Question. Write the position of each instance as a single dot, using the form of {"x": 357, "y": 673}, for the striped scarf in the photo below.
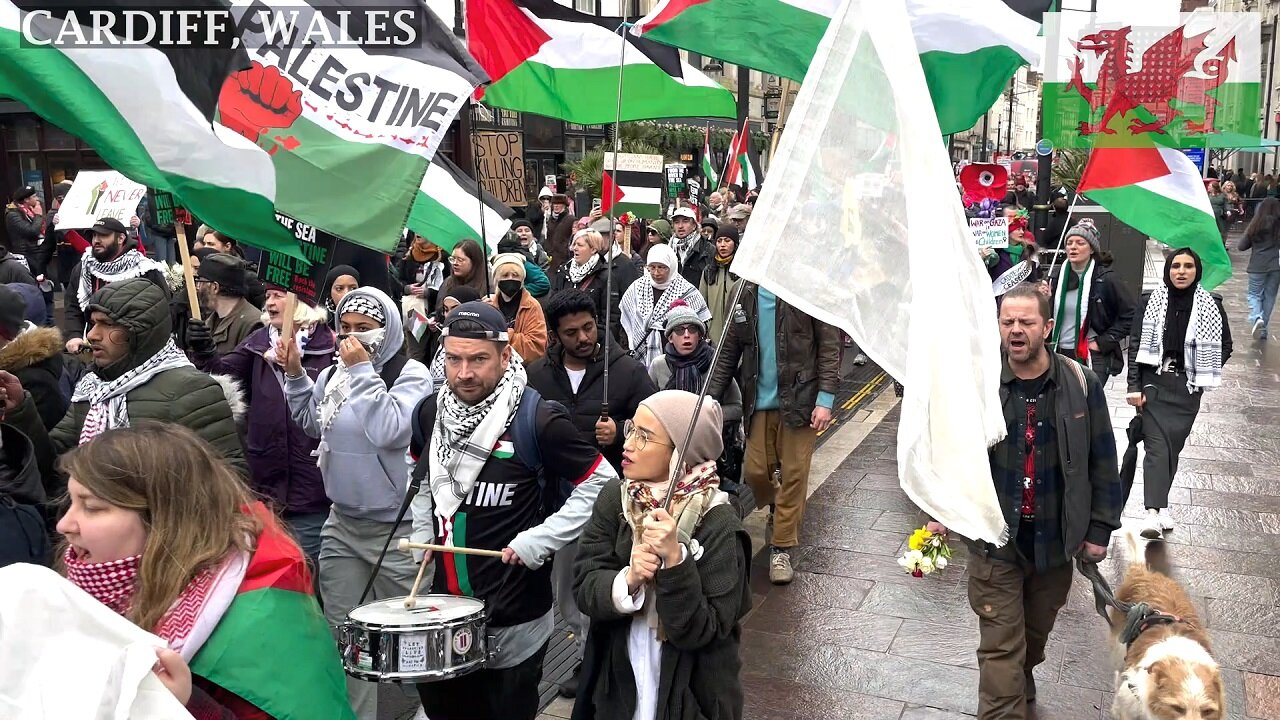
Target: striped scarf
{"x": 1202, "y": 350}
{"x": 1082, "y": 308}
{"x": 131, "y": 264}
{"x": 108, "y": 401}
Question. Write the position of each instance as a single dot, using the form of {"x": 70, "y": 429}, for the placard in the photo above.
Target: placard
{"x": 695, "y": 193}
{"x": 97, "y": 194}
{"x": 634, "y": 162}
{"x": 165, "y": 210}
{"x": 990, "y": 232}
{"x": 500, "y": 157}
{"x": 291, "y": 273}
{"x": 675, "y": 180}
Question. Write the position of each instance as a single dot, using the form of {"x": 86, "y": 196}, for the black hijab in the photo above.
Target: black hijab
{"x": 1181, "y": 303}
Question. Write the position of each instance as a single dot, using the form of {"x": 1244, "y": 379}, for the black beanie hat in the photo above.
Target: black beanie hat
{"x": 13, "y": 312}
{"x": 729, "y": 231}
{"x": 226, "y": 270}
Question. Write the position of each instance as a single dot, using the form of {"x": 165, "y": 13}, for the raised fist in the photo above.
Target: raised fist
{"x": 255, "y": 100}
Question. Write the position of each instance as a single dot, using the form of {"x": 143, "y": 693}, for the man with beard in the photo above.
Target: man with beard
{"x": 493, "y": 457}
{"x": 221, "y": 282}
{"x": 692, "y": 250}
{"x": 112, "y": 257}
{"x": 572, "y": 374}
{"x": 139, "y": 374}
{"x": 1056, "y": 509}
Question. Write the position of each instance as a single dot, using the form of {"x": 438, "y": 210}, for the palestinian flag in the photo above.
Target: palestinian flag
{"x": 742, "y": 168}
{"x": 547, "y": 59}
{"x": 969, "y": 48}
{"x": 447, "y": 211}
{"x": 146, "y": 113}
{"x": 1159, "y": 192}
{"x": 273, "y": 647}
{"x": 351, "y": 129}
{"x": 634, "y": 187}
{"x": 708, "y": 168}
{"x": 417, "y": 325}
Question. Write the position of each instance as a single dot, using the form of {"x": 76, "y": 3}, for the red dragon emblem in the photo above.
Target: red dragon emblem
{"x": 1161, "y": 81}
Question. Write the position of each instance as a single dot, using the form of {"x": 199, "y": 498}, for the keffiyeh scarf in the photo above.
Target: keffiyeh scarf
{"x": 108, "y": 402}
{"x": 639, "y": 314}
{"x": 578, "y": 272}
{"x": 131, "y": 264}
{"x": 1202, "y": 351}
{"x": 464, "y": 437}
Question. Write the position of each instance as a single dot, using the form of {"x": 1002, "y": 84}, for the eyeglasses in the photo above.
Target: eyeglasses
{"x": 455, "y": 261}
{"x": 629, "y": 429}
{"x": 686, "y": 330}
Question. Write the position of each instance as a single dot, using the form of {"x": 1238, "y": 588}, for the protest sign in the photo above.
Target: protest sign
{"x": 990, "y": 232}
{"x": 1012, "y": 277}
{"x": 500, "y": 157}
{"x": 675, "y": 180}
{"x": 97, "y": 194}
{"x": 165, "y": 210}
{"x": 293, "y": 274}
{"x": 695, "y": 194}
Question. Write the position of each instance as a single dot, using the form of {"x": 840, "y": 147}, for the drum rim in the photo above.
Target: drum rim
{"x": 481, "y": 615}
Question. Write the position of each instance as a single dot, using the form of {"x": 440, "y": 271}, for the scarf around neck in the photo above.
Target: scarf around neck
{"x": 131, "y": 264}
{"x": 687, "y": 371}
{"x": 465, "y": 436}
{"x": 108, "y": 401}
{"x": 1202, "y": 347}
{"x": 638, "y": 312}
{"x": 1082, "y": 307}
{"x": 578, "y": 272}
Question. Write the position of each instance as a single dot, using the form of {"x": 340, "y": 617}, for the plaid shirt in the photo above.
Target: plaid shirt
{"x": 1050, "y": 484}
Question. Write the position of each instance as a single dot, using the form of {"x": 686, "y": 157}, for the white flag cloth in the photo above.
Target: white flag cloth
{"x": 858, "y": 226}
{"x": 66, "y": 655}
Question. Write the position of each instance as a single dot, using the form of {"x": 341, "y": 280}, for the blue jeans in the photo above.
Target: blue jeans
{"x": 1262, "y": 297}
{"x": 165, "y": 249}
{"x": 306, "y": 529}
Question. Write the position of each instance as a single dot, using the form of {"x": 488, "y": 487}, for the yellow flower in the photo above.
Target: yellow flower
{"x": 916, "y": 541}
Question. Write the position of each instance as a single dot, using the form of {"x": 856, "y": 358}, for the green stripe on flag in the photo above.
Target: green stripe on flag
{"x": 460, "y": 560}
{"x": 274, "y": 649}
{"x": 963, "y": 86}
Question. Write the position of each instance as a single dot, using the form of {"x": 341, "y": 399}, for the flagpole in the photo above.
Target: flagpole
{"x": 484, "y": 236}
{"x": 613, "y": 222}
{"x": 1062, "y": 238}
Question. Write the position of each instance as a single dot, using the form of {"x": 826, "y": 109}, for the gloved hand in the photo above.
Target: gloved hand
{"x": 199, "y": 339}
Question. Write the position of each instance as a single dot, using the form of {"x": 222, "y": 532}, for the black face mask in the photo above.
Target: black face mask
{"x": 509, "y": 288}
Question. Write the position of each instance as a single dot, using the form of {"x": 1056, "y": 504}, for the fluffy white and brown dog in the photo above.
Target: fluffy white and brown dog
{"x": 1168, "y": 672}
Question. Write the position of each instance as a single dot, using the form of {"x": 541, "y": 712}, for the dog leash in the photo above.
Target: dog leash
{"x": 1138, "y": 617}
{"x": 1103, "y": 597}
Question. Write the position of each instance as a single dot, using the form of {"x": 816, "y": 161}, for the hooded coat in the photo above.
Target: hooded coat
{"x": 183, "y": 396}
{"x": 279, "y": 452}
{"x": 35, "y": 357}
{"x": 362, "y": 451}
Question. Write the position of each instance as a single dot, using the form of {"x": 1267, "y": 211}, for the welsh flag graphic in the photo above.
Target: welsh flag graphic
{"x": 1196, "y": 83}
{"x": 272, "y": 647}
{"x": 1159, "y": 192}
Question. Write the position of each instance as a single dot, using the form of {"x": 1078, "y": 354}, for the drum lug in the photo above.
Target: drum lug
{"x": 493, "y": 648}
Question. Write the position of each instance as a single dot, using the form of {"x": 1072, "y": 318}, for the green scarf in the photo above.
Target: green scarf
{"x": 1015, "y": 252}
{"x": 1082, "y": 301}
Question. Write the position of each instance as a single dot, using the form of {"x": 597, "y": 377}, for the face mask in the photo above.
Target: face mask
{"x": 509, "y": 288}
{"x": 371, "y": 340}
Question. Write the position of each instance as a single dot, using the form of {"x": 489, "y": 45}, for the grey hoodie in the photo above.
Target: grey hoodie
{"x": 362, "y": 452}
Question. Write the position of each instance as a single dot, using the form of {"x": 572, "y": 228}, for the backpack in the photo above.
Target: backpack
{"x": 524, "y": 441}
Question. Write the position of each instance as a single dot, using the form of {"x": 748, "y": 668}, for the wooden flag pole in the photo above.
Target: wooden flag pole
{"x": 290, "y": 307}
{"x": 782, "y": 110}
{"x": 188, "y": 272}
{"x": 626, "y": 240}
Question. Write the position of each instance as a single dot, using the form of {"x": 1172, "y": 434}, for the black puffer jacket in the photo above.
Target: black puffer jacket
{"x": 35, "y": 358}
{"x": 26, "y": 238}
{"x": 13, "y": 271}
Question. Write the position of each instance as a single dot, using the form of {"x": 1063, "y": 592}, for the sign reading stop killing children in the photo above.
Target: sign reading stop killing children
{"x": 291, "y": 273}
{"x": 990, "y": 232}
{"x": 97, "y": 194}
{"x": 500, "y": 156}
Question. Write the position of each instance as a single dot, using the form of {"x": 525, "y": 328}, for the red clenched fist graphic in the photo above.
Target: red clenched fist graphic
{"x": 254, "y": 100}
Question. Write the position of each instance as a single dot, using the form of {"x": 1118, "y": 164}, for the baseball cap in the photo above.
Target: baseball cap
{"x": 23, "y": 193}
{"x": 108, "y": 226}
{"x": 685, "y": 212}
{"x": 481, "y": 313}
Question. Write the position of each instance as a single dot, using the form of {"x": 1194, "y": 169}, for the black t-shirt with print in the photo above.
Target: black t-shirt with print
{"x": 506, "y": 500}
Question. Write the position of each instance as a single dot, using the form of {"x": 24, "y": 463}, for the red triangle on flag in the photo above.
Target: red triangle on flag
{"x": 501, "y": 37}
{"x": 610, "y": 194}
{"x": 1111, "y": 167}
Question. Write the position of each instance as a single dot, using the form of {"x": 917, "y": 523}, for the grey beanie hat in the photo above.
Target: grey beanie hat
{"x": 679, "y": 315}
{"x": 674, "y": 410}
{"x": 1086, "y": 230}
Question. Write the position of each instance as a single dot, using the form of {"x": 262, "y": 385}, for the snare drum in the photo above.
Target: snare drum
{"x": 442, "y": 637}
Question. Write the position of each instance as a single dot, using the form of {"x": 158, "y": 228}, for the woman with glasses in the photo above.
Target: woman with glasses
{"x": 664, "y": 584}
{"x": 467, "y": 267}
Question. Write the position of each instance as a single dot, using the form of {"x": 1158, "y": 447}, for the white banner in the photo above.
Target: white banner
{"x": 1011, "y": 278}
{"x": 97, "y": 194}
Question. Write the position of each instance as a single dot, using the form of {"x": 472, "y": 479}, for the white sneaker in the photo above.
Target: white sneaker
{"x": 1258, "y": 327}
{"x": 1151, "y": 529}
{"x": 1166, "y": 520}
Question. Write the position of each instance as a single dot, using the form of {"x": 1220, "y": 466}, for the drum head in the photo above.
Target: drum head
{"x": 428, "y": 608}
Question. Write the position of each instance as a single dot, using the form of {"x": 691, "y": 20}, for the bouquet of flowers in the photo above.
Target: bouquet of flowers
{"x": 927, "y": 553}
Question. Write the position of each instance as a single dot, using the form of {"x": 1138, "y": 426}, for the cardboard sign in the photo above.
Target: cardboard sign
{"x": 675, "y": 180}
{"x": 165, "y": 210}
{"x": 695, "y": 194}
{"x": 291, "y": 273}
{"x": 97, "y": 194}
{"x": 990, "y": 232}
{"x": 500, "y": 157}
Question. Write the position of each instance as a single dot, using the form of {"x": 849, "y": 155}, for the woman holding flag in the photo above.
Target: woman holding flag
{"x": 205, "y": 567}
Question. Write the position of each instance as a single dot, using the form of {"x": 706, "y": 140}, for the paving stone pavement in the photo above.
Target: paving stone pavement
{"x": 855, "y": 638}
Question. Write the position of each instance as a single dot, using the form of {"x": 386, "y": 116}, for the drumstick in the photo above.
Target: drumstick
{"x": 406, "y": 545}
{"x": 412, "y": 601}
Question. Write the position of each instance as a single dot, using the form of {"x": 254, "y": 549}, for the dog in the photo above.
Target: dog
{"x": 1168, "y": 670}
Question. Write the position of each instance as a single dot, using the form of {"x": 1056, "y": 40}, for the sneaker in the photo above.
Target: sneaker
{"x": 860, "y": 360}
{"x": 1151, "y": 529}
{"x": 780, "y": 572}
{"x": 569, "y": 688}
{"x": 1259, "y": 329}
{"x": 1166, "y": 520}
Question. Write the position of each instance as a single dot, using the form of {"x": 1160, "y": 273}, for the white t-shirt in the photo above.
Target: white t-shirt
{"x": 575, "y": 377}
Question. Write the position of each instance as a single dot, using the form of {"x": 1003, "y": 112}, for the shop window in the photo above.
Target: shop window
{"x": 21, "y": 133}
{"x": 575, "y": 147}
{"x": 55, "y": 138}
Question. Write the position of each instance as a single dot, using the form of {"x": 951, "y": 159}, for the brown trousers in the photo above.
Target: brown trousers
{"x": 1016, "y": 610}
{"x": 772, "y": 443}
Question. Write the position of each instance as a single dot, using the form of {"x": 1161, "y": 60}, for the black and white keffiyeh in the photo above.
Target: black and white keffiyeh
{"x": 578, "y": 272}
{"x": 464, "y": 437}
{"x": 1202, "y": 351}
{"x": 642, "y": 319}
{"x": 108, "y": 406}
{"x": 131, "y": 264}
{"x": 366, "y": 305}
